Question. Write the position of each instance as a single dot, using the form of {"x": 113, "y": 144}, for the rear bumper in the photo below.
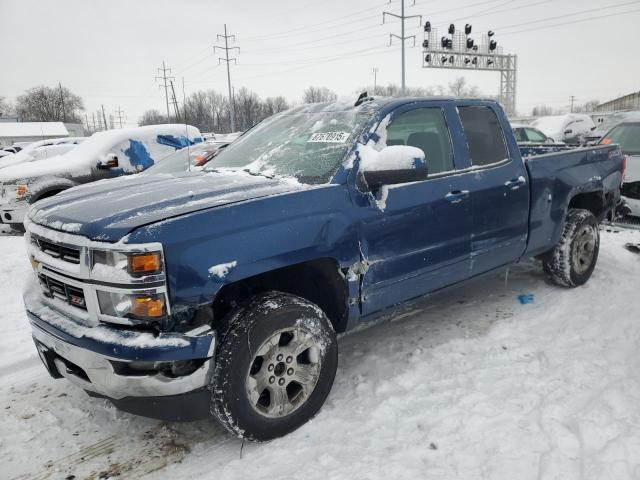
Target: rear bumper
{"x": 105, "y": 360}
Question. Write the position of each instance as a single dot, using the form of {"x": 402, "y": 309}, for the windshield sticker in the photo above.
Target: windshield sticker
{"x": 328, "y": 137}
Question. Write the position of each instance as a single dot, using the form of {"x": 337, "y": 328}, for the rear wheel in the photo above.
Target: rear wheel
{"x": 573, "y": 260}
{"x": 275, "y": 366}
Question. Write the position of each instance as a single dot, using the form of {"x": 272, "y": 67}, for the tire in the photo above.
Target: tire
{"x": 275, "y": 365}
{"x": 572, "y": 261}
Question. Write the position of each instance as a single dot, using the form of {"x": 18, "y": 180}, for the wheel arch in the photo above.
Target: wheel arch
{"x": 319, "y": 280}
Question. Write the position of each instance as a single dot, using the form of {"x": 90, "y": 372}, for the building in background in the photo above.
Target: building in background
{"x": 627, "y": 102}
{"x": 15, "y": 132}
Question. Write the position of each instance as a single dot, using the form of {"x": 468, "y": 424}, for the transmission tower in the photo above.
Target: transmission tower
{"x": 402, "y": 36}
{"x": 226, "y": 48}
{"x": 165, "y": 79}
{"x": 120, "y": 114}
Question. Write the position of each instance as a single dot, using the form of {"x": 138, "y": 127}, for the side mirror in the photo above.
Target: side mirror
{"x": 567, "y": 132}
{"x": 108, "y": 162}
{"x": 392, "y": 165}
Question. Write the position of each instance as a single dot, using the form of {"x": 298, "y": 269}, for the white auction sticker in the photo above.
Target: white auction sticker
{"x": 328, "y": 137}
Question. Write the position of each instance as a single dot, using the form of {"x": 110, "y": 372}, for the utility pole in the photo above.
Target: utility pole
{"x": 375, "y": 78}
{"x": 175, "y": 101}
{"x": 93, "y": 120}
{"x": 165, "y": 85}
{"x": 226, "y": 48}
{"x": 86, "y": 121}
{"x": 119, "y": 114}
{"x": 402, "y": 36}
{"x": 573, "y": 99}
{"x": 104, "y": 117}
{"x": 64, "y": 113}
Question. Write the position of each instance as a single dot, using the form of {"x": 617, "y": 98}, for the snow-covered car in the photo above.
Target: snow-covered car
{"x": 104, "y": 155}
{"x": 194, "y": 157}
{"x": 608, "y": 123}
{"x": 4, "y": 153}
{"x": 627, "y": 135}
{"x": 570, "y": 128}
{"x": 11, "y": 149}
{"x": 42, "y": 150}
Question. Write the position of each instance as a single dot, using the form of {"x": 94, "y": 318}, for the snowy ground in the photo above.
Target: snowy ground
{"x": 477, "y": 385}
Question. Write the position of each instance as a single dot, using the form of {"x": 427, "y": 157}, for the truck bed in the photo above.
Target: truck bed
{"x": 569, "y": 178}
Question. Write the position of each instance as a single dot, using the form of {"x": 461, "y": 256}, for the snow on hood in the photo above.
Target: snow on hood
{"x": 109, "y": 209}
{"x": 81, "y": 160}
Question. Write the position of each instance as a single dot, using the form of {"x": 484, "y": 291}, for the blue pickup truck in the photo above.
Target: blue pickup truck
{"x": 221, "y": 292}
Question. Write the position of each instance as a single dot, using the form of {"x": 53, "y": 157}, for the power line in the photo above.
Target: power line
{"x": 164, "y": 69}
{"x": 226, "y": 48}
{"x": 402, "y": 37}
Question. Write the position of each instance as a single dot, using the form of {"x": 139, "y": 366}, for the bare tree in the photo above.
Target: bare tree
{"x": 460, "y": 88}
{"x": 5, "y": 107}
{"x": 152, "y": 117}
{"x": 318, "y": 95}
{"x": 274, "y": 105}
{"x": 541, "y": 110}
{"x": 589, "y": 106}
{"x": 46, "y": 104}
{"x": 248, "y": 108}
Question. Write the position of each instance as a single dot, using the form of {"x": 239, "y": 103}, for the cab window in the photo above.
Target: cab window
{"x": 426, "y": 129}
{"x": 484, "y": 135}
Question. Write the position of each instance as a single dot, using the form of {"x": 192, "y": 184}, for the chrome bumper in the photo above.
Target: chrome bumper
{"x": 86, "y": 360}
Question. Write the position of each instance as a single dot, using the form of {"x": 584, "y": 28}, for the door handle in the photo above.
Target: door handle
{"x": 515, "y": 183}
{"x": 456, "y": 196}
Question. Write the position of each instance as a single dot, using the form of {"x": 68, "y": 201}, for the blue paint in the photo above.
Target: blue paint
{"x": 177, "y": 142}
{"x": 526, "y": 298}
{"x": 138, "y": 156}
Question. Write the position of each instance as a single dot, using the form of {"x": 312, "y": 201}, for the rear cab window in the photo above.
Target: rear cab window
{"x": 485, "y": 138}
{"x": 426, "y": 129}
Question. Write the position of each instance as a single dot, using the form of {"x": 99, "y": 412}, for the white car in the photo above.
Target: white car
{"x": 41, "y": 150}
{"x": 570, "y": 128}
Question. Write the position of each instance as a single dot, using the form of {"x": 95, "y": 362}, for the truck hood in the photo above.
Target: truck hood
{"x": 108, "y": 210}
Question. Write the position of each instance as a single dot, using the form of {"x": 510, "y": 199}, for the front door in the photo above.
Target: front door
{"x": 418, "y": 239}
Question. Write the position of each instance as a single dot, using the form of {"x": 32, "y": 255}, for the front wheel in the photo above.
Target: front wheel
{"x": 275, "y": 366}
{"x": 573, "y": 260}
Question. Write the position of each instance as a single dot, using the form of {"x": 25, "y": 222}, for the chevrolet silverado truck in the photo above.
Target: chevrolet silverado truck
{"x": 104, "y": 155}
{"x": 221, "y": 292}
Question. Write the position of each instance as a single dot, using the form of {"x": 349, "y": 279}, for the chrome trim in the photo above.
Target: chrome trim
{"x": 105, "y": 381}
{"x": 80, "y": 275}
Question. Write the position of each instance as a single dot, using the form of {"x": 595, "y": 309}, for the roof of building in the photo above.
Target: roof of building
{"x": 32, "y": 129}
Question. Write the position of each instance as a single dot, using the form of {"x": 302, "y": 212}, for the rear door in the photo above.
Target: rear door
{"x": 499, "y": 195}
{"x": 419, "y": 239}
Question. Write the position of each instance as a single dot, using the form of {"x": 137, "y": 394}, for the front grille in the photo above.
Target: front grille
{"x": 56, "y": 289}
{"x": 63, "y": 252}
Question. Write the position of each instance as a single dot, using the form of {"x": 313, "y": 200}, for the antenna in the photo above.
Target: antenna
{"x": 186, "y": 127}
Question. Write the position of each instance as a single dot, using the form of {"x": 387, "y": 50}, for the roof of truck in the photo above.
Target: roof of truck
{"x": 372, "y": 103}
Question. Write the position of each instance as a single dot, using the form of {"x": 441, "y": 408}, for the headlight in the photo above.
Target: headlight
{"x": 118, "y": 265}
{"x": 11, "y": 192}
{"x": 135, "y": 306}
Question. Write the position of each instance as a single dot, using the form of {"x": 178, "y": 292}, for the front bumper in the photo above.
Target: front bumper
{"x": 13, "y": 214}
{"x": 94, "y": 357}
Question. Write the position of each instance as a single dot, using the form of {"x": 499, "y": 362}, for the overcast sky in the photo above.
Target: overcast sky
{"x": 108, "y": 51}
